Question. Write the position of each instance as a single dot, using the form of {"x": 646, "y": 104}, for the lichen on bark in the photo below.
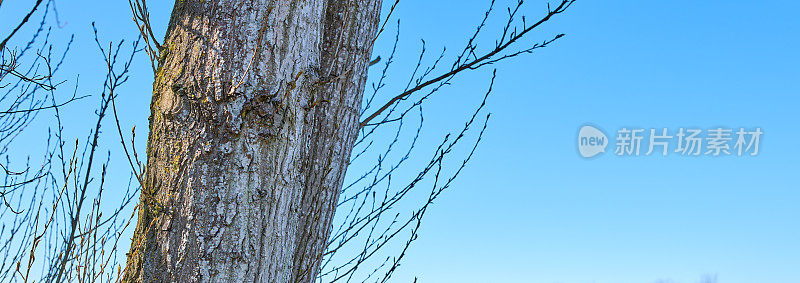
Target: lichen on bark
{"x": 253, "y": 117}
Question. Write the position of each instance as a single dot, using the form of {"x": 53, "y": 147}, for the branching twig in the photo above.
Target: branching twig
{"x": 483, "y": 59}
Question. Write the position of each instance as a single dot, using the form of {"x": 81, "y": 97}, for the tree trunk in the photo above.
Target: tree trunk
{"x": 255, "y": 111}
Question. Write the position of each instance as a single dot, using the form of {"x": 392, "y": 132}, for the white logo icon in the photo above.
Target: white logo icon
{"x": 591, "y": 141}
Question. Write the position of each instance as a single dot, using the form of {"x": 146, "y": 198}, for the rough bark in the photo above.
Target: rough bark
{"x": 254, "y": 113}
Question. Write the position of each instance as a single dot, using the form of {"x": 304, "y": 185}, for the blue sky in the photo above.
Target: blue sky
{"x": 529, "y": 208}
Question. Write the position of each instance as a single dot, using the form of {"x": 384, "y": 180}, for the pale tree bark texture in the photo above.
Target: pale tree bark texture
{"x": 254, "y": 113}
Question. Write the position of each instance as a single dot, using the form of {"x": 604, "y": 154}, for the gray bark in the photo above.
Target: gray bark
{"x": 254, "y": 113}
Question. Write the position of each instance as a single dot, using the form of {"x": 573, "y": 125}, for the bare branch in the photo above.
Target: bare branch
{"x": 482, "y": 60}
{"x": 24, "y": 20}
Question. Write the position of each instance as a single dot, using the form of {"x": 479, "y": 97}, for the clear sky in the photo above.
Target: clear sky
{"x": 529, "y": 208}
